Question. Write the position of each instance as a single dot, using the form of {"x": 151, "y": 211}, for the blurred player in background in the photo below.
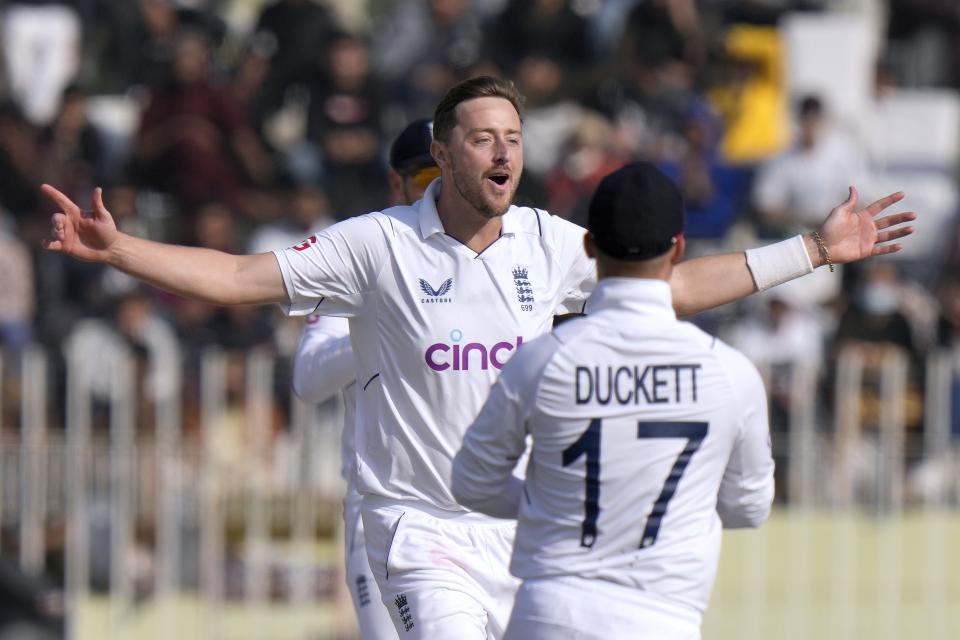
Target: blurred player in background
{"x": 324, "y": 366}
{"x": 648, "y": 437}
{"x": 439, "y": 295}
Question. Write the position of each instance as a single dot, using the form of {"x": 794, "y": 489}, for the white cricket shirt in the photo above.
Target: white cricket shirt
{"x": 431, "y": 324}
{"x": 648, "y": 434}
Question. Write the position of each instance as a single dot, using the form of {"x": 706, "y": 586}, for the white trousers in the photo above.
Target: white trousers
{"x": 442, "y": 577}
{"x": 574, "y": 608}
{"x": 373, "y": 618}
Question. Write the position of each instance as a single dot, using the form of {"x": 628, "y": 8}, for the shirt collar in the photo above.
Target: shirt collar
{"x": 430, "y": 217}
{"x": 636, "y": 295}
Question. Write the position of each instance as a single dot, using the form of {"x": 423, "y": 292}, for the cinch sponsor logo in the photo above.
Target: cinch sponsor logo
{"x": 441, "y": 356}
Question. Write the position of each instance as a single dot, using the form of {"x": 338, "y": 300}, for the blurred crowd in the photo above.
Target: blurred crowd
{"x": 246, "y": 125}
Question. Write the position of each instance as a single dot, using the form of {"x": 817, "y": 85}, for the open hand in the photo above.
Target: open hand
{"x": 86, "y": 235}
{"x": 851, "y": 234}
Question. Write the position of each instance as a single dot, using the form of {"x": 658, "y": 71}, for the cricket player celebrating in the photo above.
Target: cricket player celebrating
{"x": 323, "y": 367}
{"x": 648, "y": 436}
{"x": 440, "y": 295}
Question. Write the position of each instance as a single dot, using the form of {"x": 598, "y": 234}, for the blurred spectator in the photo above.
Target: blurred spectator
{"x": 948, "y": 322}
{"x": 544, "y": 45}
{"x": 72, "y": 152}
{"x": 16, "y": 296}
{"x": 292, "y": 35}
{"x": 423, "y": 47}
{"x": 136, "y": 328}
{"x": 766, "y": 13}
{"x": 778, "y": 339}
{"x": 591, "y": 155}
{"x": 194, "y": 140}
{"x": 657, "y": 60}
{"x": 780, "y": 335}
{"x": 19, "y": 162}
{"x": 308, "y": 212}
{"x": 31, "y": 608}
{"x": 659, "y": 34}
{"x": 41, "y": 47}
{"x": 215, "y": 228}
{"x": 201, "y": 325}
{"x": 874, "y": 317}
{"x": 749, "y": 93}
{"x": 344, "y": 124}
{"x": 781, "y": 340}
{"x": 794, "y": 191}
{"x": 134, "y": 41}
{"x": 713, "y": 191}
{"x": 875, "y": 323}
{"x": 948, "y": 337}
{"x": 248, "y": 85}
{"x": 924, "y": 42}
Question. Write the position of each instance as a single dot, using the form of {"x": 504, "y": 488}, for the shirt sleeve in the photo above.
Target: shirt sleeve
{"x": 332, "y": 272}
{"x": 580, "y": 271}
{"x": 323, "y": 364}
{"x": 746, "y": 491}
{"x": 483, "y": 478}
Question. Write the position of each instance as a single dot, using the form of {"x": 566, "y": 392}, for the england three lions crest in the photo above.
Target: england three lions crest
{"x": 521, "y": 281}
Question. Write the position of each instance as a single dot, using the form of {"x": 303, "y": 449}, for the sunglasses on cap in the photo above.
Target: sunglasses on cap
{"x": 423, "y": 177}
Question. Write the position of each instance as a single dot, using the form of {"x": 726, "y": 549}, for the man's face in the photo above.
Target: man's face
{"x": 484, "y": 155}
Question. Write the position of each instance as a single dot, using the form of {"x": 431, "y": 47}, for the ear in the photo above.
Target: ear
{"x": 588, "y": 246}
{"x": 439, "y": 152}
{"x": 396, "y": 185}
{"x": 678, "y": 249}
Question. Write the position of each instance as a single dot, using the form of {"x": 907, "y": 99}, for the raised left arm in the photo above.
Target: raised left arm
{"x": 848, "y": 234}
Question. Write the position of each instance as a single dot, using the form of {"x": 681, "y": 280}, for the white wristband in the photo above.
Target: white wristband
{"x": 779, "y": 262}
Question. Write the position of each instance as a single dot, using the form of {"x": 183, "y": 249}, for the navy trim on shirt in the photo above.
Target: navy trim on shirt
{"x": 376, "y": 375}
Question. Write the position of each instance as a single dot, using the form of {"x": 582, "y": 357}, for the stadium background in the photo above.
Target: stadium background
{"x": 156, "y": 477}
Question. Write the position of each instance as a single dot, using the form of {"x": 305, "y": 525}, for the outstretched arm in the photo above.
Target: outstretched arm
{"x": 203, "y": 274}
{"x": 849, "y": 234}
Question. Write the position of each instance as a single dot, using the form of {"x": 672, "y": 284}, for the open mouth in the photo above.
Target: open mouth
{"x": 499, "y": 178}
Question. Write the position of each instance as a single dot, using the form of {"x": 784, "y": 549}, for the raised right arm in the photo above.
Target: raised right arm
{"x": 193, "y": 272}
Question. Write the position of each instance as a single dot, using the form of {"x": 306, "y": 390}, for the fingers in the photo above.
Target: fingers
{"x": 66, "y": 204}
{"x": 852, "y": 199}
{"x": 894, "y": 219}
{"x": 99, "y": 210}
{"x": 884, "y": 249}
{"x": 58, "y": 225}
{"x": 881, "y": 204}
{"x": 57, "y": 233}
{"x": 887, "y": 236}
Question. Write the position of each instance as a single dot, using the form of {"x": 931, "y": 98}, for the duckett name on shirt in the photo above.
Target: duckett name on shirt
{"x": 441, "y": 356}
{"x": 653, "y": 384}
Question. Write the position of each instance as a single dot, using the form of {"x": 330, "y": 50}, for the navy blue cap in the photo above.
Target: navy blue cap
{"x": 411, "y": 150}
{"x": 636, "y": 213}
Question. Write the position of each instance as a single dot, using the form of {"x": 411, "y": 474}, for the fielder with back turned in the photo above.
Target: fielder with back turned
{"x": 649, "y": 436}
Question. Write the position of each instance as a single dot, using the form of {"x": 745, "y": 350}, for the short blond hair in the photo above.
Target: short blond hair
{"x": 445, "y": 116}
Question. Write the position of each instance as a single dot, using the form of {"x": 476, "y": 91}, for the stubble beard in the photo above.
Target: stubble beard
{"x": 472, "y": 192}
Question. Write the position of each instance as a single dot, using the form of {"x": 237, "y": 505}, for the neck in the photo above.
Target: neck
{"x": 463, "y": 222}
